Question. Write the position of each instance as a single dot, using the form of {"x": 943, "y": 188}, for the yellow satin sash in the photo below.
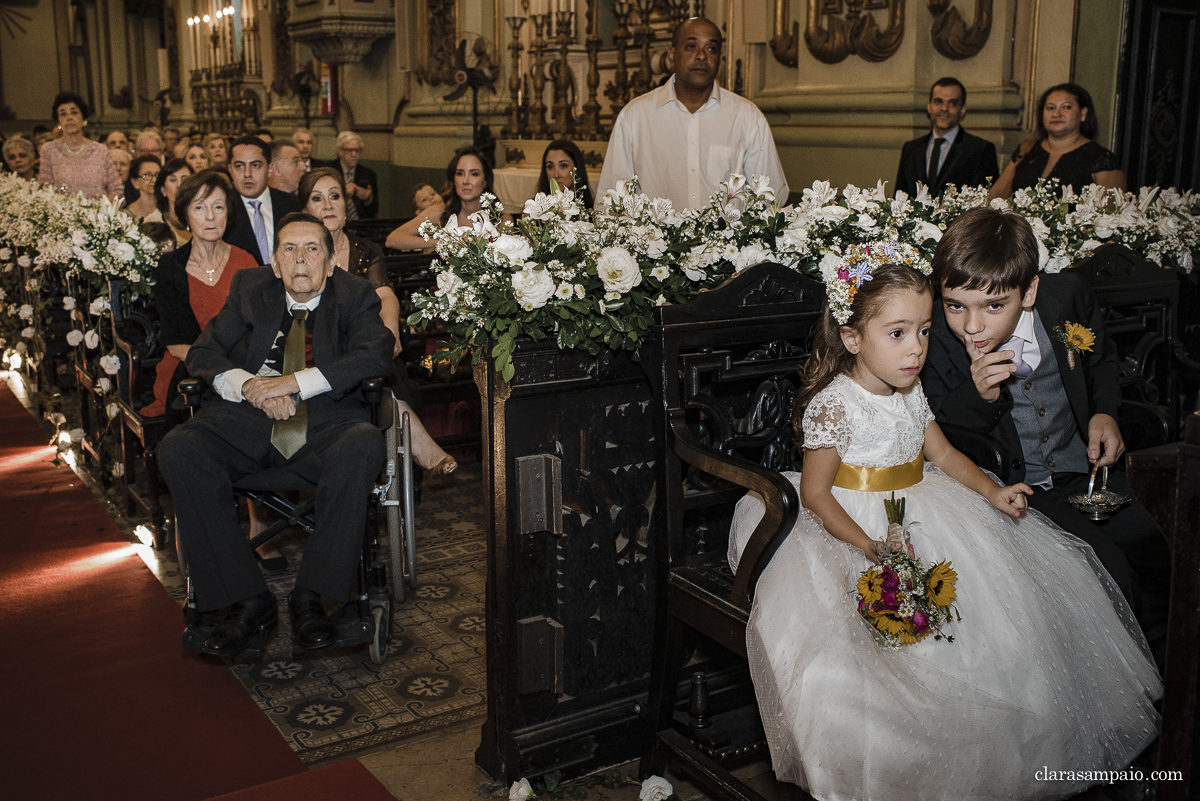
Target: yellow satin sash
{"x": 880, "y": 479}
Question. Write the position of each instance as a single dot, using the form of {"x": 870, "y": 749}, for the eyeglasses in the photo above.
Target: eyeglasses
{"x": 350, "y": 149}
{"x": 150, "y": 176}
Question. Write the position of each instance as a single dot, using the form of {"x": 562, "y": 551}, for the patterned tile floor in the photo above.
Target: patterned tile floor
{"x": 335, "y": 703}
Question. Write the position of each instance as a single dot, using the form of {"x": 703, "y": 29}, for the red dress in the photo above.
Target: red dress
{"x": 205, "y": 301}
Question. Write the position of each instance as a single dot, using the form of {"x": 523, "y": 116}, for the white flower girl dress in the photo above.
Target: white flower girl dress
{"x": 1047, "y": 669}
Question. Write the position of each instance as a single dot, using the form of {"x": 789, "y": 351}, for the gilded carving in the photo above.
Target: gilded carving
{"x": 831, "y": 37}
{"x": 439, "y": 66}
{"x": 951, "y": 36}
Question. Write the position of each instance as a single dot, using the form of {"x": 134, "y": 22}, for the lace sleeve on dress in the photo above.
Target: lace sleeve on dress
{"x": 1105, "y": 160}
{"x": 924, "y": 414}
{"x": 826, "y": 423}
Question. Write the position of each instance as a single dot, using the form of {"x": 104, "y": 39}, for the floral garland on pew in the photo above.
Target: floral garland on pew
{"x": 58, "y": 253}
{"x": 592, "y": 280}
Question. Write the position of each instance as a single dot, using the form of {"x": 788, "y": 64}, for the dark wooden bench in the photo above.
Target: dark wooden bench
{"x": 724, "y": 368}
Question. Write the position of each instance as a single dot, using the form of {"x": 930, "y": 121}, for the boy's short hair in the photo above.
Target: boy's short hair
{"x": 987, "y": 249}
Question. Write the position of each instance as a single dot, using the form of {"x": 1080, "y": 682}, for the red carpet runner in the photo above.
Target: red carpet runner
{"x": 100, "y": 702}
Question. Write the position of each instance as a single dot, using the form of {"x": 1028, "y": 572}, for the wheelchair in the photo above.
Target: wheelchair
{"x": 390, "y": 552}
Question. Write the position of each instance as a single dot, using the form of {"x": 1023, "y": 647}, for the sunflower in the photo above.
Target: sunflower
{"x": 869, "y": 585}
{"x": 888, "y": 622}
{"x": 940, "y": 584}
{"x": 909, "y": 637}
{"x": 1079, "y": 337}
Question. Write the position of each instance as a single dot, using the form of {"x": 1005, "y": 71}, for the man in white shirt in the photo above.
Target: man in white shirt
{"x": 284, "y": 357}
{"x": 252, "y": 222}
{"x": 684, "y": 138}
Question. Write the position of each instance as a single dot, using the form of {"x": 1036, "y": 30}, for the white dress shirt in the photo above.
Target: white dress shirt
{"x": 683, "y": 156}
{"x": 310, "y": 380}
{"x": 268, "y": 213}
{"x": 1030, "y": 351}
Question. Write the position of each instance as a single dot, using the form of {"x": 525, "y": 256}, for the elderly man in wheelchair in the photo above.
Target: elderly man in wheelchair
{"x": 284, "y": 359}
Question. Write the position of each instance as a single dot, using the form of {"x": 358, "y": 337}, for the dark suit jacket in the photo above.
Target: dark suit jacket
{"x": 241, "y": 230}
{"x": 1091, "y": 385}
{"x": 970, "y": 162}
{"x": 349, "y": 343}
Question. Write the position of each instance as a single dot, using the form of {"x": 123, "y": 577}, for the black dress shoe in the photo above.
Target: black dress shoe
{"x": 250, "y": 620}
{"x": 310, "y": 625}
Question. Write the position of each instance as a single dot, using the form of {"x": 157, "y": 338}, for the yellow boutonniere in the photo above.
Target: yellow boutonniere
{"x": 1076, "y": 338}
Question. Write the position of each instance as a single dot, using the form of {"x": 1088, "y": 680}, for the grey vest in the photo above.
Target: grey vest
{"x": 1050, "y": 440}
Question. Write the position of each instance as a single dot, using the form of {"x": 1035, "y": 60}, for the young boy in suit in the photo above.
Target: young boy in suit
{"x": 1024, "y": 358}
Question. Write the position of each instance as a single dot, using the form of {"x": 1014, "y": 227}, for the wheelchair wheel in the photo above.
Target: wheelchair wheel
{"x": 381, "y": 634}
{"x": 401, "y": 523}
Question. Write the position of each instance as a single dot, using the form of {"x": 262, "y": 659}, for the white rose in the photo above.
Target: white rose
{"x": 77, "y": 435}
{"x": 655, "y": 788}
{"x": 78, "y": 238}
{"x": 1043, "y": 255}
{"x": 24, "y": 261}
{"x": 113, "y": 410}
{"x": 448, "y": 283}
{"x": 750, "y": 256}
{"x": 532, "y": 287}
{"x": 927, "y": 230}
{"x": 110, "y": 364}
{"x": 68, "y": 302}
{"x": 1057, "y": 264}
{"x": 74, "y": 338}
{"x": 27, "y": 332}
{"x": 91, "y": 339}
{"x": 103, "y": 385}
{"x": 520, "y": 791}
{"x": 830, "y": 263}
{"x": 618, "y": 270}
{"x": 5, "y": 254}
{"x": 1168, "y": 226}
{"x": 125, "y": 252}
{"x": 832, "y": 213}
{"x": 99, "y": 306}
{"x": 25, "y": 312}
{"x": 86, "y": 259}
{"x": 515, "y": 248}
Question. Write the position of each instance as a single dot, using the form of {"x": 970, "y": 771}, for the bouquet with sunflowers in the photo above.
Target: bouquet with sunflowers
{"x": 902, "y": 600}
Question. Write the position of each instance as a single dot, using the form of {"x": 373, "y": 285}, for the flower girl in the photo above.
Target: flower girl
{"x": 1042, "y": 666}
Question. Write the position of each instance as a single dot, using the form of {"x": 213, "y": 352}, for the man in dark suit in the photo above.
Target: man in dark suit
{"x": 283, "y": 359}
{"x": 361, "y": 185}
{"x": 1024, "y": 358}
{"x": 948, "y": 154}
{"x": 252, "y": 221}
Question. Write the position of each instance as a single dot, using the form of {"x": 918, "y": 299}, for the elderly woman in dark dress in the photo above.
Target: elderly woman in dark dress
{"x": 1064, "y": 149}
{"x": 323, "y": 193}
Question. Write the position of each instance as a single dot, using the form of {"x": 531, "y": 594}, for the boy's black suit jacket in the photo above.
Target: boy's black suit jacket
{"x": 1091, "y": 386}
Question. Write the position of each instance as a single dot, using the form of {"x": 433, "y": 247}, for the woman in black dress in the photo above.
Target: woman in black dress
{"x": 323, "y": 193}
{"x": 1064, "y": 149}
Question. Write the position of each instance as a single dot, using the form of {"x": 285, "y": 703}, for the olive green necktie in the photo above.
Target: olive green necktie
{"x": 288, "y": 436}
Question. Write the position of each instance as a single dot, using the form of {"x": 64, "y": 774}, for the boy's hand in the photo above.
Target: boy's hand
{"x": 1011, "y": 500}
{"x": 989, "y": 370}
{"x": 1105, "y": 444}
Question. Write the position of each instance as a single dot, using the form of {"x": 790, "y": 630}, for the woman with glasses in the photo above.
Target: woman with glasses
{"x": 143, "y": 172}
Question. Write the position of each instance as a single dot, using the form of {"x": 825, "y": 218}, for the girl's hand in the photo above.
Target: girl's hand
{"x": 1011, "y": 500}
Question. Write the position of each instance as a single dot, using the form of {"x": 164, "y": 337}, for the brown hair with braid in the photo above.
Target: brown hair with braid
{"x": 829, "y": 356}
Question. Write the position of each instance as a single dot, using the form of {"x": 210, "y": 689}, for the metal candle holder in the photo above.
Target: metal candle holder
{"x": 512, "y": 126}
{"x": 537, "y": 108}
{"x": 589, "y": 123}
{"x": 564, "y": 118}
{"x": 618, "y": 91}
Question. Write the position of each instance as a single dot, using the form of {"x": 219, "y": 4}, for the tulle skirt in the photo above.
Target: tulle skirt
{"x": 1047, "y": 670}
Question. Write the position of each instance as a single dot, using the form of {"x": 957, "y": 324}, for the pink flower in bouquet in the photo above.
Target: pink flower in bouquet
{"x": 889, "y": 601}
{"x": 920, "y": 621}
{"x": 891, "y": 582}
